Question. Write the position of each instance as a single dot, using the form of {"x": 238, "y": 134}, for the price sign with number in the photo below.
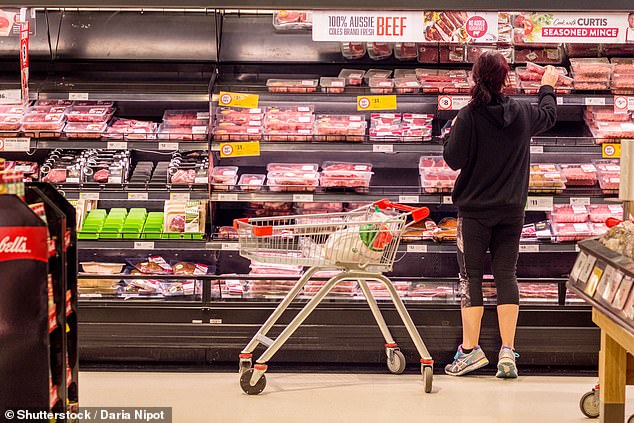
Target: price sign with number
{"x": 539, "y": 203}
{"x": 452, "y": 102}
{"x": 10, "y": 96}
{"x": 246, "y": 101}
{"x": 611, "y": 151}
{"x": 240, "y": 149}
{"x": 376, "y": 102}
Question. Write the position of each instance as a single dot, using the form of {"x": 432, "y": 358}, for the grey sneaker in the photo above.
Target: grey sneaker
{"x": 507, "y": 369}
{"x": 466, "y": 363}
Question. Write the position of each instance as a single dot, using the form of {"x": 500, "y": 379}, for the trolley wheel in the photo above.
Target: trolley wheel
{"x": 631, "y": 419}
{"x": 245, "y": 379}
{"x": 428, "y": 378}
{"x": 245, "y": 365}
{"x": 396, "y": 363}
{"x": 589, "y": 405}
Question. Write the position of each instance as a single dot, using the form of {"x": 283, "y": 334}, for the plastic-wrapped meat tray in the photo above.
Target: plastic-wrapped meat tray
{"x": 606, "y": 114}
{"x": 352, "y": 51}
{"x": 43, "y": 122}
{"x": 405, "y": 51}
{"x": 289, "y": 124}
{"x": 451, "y": 53}
{"x": 131, "y": 129}
{"x": 186, "y": 118}
{"x": 622, "y": 83}
{"x": 352, "y": 76}
{"x": 292, "y": 20}
{"x": 441, "y": 75}
{"x": 583, "y": 50}
{"x": 427, "y": 53}
{"x": 435, "y": 175}
{"x": 539, "y": 291}
{"x": 579, "y": 174}
{"x": 224, "y": 178}
{"x": 294, "y": 181}
{"x": 296, "y": 86}
{"x": 407, "y": 85}
{"x": 379, "y": 51}
{"x": 565, "y": 213}
{"x": 346, "y": 175}
{"x": 182, "y": 133}
{"x": 251, "y": 182}
{"x": 609, "y": 182}
{"x": 546, "y": 178}
{"x": 431, "y": 292}
{"x": 599, "y": 213}
{"x": 238, "y": 115}
{"x": 381, "y": 85}
{"x": 10, "y": 123}
{"x": 543, "y": 55}
{"x": 611, "y": 130}
{"x": 85, "y": 130}
{"x": 332, "y": 85}
{"x": 227, "y": 131}
{"x": 89, "y": 114}
{"x": 622, "y": 65}
{"x": 340, "y": 128}
{"x": 563, "y": 232}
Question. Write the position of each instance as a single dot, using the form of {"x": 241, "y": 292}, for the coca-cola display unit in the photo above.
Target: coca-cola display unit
{"x": 157, "y": 187}
{"x": 38, "y": 310}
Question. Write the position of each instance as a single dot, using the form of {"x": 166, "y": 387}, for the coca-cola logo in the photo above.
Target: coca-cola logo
{"x": 15, "y": 245}
{"x": 23, "y": 243}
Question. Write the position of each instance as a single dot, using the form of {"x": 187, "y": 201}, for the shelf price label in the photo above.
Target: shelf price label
{"x": 539, "y": 204}
{"x": 89, "y": 196}
{"x": 229, "y": 246}
{"x": 143, "y": 196}
{"x": 580, "y": 201}
{"x": 245, "y": 101}
{"x": 183, "y": 196}
{"x": 537, "y": 149}
{"x": 227, "y": 197}
{"x": 376, "y": 102}
{"x": 529, "y": 248}
{"x": 240, "y": 149}
{"x": 15, "y": 144}
{"x": 452, "y": 102}
{"x": 302, "y": 198}
{"x": 594, "y": 101}
{"x": 168, "y": 146}
{"x": 383, "y": 148}
{"x": 408, "y": 199}
{"x": 623, "y": 104}
{"x": 143, "y": 245}
{"x": 78, "y": 96}
{"x": 446, "y": 199}
{"x": 117, "y": 145}
{"x": 10, "y": 96}
{"x": 416, "y": 248}
{"x": 611, "y": 151}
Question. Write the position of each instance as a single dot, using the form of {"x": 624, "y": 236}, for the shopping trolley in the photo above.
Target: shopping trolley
{"x": 362, "y": 244}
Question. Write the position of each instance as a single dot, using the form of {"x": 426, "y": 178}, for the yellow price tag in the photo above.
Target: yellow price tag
{"x": 246, "y": 101}
{"x": 611, "y": 151}
{"x": 376, "y": 102}
{"x": 240, "y": 149}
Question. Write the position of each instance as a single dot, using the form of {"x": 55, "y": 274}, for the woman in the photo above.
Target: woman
{"x": 490, "y": 143}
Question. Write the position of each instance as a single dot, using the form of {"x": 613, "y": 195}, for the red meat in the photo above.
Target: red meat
{"x": 101, "y": 175}
{"x": 57, "y": 176}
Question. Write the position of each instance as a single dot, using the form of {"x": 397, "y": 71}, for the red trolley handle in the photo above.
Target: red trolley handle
{"x": 418, "y": 213}
{"x": 612, "y": 222}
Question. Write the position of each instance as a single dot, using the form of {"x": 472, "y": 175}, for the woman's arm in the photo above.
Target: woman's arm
{"x": 544, "y": 115}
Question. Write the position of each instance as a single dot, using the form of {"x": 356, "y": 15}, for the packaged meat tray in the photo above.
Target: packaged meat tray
{"x": 186, "y": 118}
{"x": 349, "y": 128}
{"x": 332, "y": 85}
{"x": 251, "y": 182}
{"x": 623, "y": 65}
{"x": 441, "y": 75}
{"x": 346, "y": 175}
{"x": 352, "y": 76}
{"x": 91, "y": 103}
{"x": 292, "y": 20}
{"x": 379, "y": 51}
{"x": 550, "y": 55}
{"x": 427, "y": 291}
{"x": 64, "y": 103}
{"x": 385, "y": 120}
{"x": 563, "y": 232}
{"x": 623, "y": 50}
{"x": 407, "y": 85}
{"x": 292, "y": 167}
{"x": 89, "y": 114}
{"x": 622, "y": 83}
{"x": 296, "y": 86}
{"x": 603, "y": 131}
{"x": 377, "y": 73}
{"x": 435, "y": 175}
{"x": 591, "y": 69}
{"x": 474, "y": 51}
{"x": 10, "y": 123}
{"x": 182, "y": 133}
{"x": 131, "y": 129}
{"x": 606, "y": 114}
{"x": 607, "y": 165}
{"x": 598, "y": 229}
{"x": 353, "y": 51}
{"x": 294, "y": 181}
{"x": 565, "y": 213}
{"x": 239, "y": 115}
{"x": 405, "y": 51}
{"x": 235, "y": 132}
{"x": 542, "y": 292}
{"x": 451, "y": 53}
{"x": 583, "y": 50}
{"x": 45, "y": 110}
{"x": 224, "y": 177}
{"x": 609, "y": 182}
{"x": 546, "y": 178}
{"x": 381, "y": 85}
{"x": 44, "y": 122}
{"x": 532, "y": 88}
{"x": 599, "y": 213}
{"x": 579, "y": 175}
{"x": 427, "y": 53}
{"x": 85, "y": 129}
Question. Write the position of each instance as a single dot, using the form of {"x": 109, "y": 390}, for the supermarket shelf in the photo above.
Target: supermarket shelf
{"x": 141, "y": 244}
{"x": 197, "y": 192}
{"x": 167, "y": 146}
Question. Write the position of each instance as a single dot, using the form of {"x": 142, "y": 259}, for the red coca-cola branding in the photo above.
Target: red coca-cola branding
{"x": 23, "y": 243}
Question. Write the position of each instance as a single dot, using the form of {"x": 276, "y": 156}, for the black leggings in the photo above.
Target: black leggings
{"x": 500, "y": 235}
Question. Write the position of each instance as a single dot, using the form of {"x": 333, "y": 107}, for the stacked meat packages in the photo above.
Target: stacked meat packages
{"x": 350, "y": 128}
{"x": 623, "y": 75}
{"x": 344, "y": 175}
{"x": 591, "y": 73}
{"x": 293, "y": 123}
{"x": 546, "y": 178}
{"x": 292, "y": 20}
{"x": 443, "y": 81}
{"x": 235, "y": 124}
{"x": 531, "y": 76}
{"x": 131, "y": 129}
{"x": 88, "y": 119}
{"x": 609, "y": 174}
{"x": 294, "y": 177}
{"x": 400, "y": 127}
{"x": 184, "y": 125}
{"x": 86, "y": 166}
{"x": 11, "y": 117}
{"x": 577, "y": 222}
{"x": 188, "y": 168}
{"x": 271, "y": 284}
{"x": 293, "y": 86}
{"x": 608, "y": 126}
{"x": 426, "y": 291}
{"x": 435, "y": 175}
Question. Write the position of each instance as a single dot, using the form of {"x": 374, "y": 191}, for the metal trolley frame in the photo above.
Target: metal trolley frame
{"x": 361, "y": 243}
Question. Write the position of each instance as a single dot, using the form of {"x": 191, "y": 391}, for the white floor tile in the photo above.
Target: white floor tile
{"x": 308, "y": 398}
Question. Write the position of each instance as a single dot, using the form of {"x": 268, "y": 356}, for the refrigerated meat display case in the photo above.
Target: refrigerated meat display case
{"x": 161, "y": 279}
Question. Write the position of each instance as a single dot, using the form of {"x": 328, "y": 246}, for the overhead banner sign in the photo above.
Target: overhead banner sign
{"x": 389, "y": 26}
{"x": 536, "y": 27}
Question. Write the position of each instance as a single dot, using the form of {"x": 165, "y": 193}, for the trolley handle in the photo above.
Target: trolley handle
{"x": 612, "y": 222}
{"x": 418, "y": 213}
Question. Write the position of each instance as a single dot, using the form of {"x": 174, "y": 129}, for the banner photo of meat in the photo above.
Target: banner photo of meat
{"x": 460, "y": 27}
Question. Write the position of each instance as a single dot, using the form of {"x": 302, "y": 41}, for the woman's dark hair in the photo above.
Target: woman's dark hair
{"x": 489, "y": 75}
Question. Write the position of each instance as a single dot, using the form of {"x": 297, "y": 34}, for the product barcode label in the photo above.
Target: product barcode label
{"x": 383, "y": 148}
{"x": 138, "y": 196}
{"x": 537, "y": 149}
{"x": 529, "y": 248}
{"x": 580, "y": 201}
{"x": 302, "y": 198}
{"x": 168, "y": 146}
{"x": 215, "y": 321}
{"x": 143, "y": 245}
{"x": 227, "y": 197}
{"x": 117, "y": 145}
{"x": 183, "y": 196}
{"x": 416, "y": 248}
{"x": 539, "y": 204}
{"x": 89, "y": 196}
{"x": 594, "y": 101}
{"x": 408, "y": 199}
{"x": 78, "y": 96}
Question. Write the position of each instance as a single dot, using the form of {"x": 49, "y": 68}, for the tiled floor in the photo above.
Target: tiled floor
{"x": 306, "y": 398}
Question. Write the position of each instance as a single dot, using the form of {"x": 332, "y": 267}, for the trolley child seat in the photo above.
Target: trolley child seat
{"x": 361, "y": 243}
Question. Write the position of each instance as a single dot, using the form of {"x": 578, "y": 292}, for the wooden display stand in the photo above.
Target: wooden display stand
{"x": 616, "y": 366}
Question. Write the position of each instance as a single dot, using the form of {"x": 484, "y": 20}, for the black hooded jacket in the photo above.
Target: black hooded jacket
{"x": 491, "y": 147}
